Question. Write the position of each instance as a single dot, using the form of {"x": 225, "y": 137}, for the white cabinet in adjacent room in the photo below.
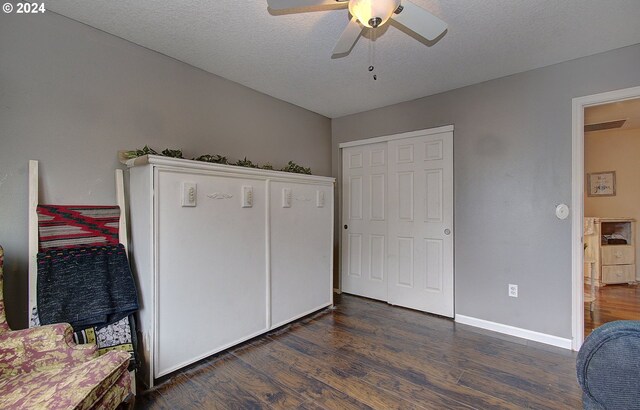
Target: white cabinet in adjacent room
{"x": 223, "y": 254}
{"x": 610, "y": 247}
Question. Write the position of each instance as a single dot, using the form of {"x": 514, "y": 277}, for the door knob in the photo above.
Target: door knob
{"x": 346, "y": 227}
{"x": 447, "y": 231}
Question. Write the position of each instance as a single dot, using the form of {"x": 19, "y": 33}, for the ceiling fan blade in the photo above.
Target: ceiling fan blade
{"x": 296, "y": 4}
{"x": 349, "y": 37}
{"x": 420, "y": 21}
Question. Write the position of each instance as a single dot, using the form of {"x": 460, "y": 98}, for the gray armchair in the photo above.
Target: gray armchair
{"x": 608, "y": 366}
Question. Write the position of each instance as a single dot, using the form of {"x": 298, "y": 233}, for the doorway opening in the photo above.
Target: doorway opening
{"x": 606, "y": 210}
{"x": 611, "y": 213}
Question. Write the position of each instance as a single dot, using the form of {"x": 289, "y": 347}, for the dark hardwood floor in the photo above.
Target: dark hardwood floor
{"x": 367, "y": 354}
{"x": 613, "y": 302}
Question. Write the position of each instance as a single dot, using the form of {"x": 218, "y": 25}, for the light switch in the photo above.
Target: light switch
{"x": 286, "y": 197}
{"x": 320, "y": 199}
{"x": 247, "y": 196}
{"x": 189, "y": 193}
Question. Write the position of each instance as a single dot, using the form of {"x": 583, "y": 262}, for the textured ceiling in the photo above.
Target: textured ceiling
{"x": 288, "y": 56}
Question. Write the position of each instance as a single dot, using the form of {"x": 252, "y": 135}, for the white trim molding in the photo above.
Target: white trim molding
{"x": 180, "y": 165}
{"x": 411, "y": 134}
{"x": 577, "y": 202}
{"x": 33, "y": 238}
{"x": 515, "y": 331}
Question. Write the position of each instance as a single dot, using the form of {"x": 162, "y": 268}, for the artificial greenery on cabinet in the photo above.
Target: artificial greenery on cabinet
{"x": 216, "y": 159}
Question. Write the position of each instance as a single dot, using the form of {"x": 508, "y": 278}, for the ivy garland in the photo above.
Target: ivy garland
{"x": 216, "y": 159}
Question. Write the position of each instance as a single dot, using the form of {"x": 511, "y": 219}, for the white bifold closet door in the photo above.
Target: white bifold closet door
{"x": 398, "y": 222}
{"x": 364, "y": 234}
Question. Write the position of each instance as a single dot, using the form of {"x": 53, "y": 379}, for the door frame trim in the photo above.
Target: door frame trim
{"x": 577, "y": 201}
{"x": 385, "y": 138}
{"x": 339, "y": 188}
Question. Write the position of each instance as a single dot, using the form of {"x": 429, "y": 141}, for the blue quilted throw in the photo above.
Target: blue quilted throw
{"x": 86, "y": 287}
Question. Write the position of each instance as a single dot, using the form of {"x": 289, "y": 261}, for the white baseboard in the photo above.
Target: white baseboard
{"x": 515, "y": 331}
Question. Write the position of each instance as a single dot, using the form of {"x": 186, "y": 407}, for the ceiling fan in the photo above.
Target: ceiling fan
{"x": 373, "y": 14}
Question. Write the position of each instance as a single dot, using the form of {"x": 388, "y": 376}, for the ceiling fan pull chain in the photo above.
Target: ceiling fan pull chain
{"x": 374, "y": 36}
{"x": 372, "y": 53}
{"x": 370, "y": 56}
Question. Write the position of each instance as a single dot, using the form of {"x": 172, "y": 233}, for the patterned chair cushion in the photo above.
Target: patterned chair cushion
{"x": 41, "y": 348}
{"x": 81, "y": 386}
{"x": 116, "y": 394}
{"x": 42, "y": 368}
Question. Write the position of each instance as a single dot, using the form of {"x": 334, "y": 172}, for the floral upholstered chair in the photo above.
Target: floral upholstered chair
{"x": 42, "y": 368}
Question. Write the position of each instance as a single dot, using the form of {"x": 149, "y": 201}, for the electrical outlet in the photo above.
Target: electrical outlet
{"x": 513, "y": 291}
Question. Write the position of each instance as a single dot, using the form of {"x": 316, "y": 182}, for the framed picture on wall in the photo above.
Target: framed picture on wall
{"x": 601, "y": 183}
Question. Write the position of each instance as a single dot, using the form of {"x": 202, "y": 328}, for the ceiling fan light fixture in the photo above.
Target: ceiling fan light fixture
{"x": 373, "y": 13}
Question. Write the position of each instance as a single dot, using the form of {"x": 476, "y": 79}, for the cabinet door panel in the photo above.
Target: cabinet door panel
{"x": 301, "y": 247}
{"x": 211, "y": 275}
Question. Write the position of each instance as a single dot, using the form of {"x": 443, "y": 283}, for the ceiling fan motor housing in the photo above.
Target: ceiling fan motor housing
{"x": 373, "y": 13}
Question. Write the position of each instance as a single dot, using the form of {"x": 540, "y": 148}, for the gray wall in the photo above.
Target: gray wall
{"x": 512, "y": 164}
{"x": 72, "y": 96}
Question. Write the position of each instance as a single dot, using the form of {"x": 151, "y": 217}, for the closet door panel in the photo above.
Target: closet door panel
{"x": 364, "y": 213}
{"x": 301, "y": 247}
{"x": 211, "y": 278}
{"x": 421, "y": 223}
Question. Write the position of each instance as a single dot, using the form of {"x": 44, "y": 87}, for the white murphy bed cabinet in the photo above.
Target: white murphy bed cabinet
{"x": 223, "y": 254}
